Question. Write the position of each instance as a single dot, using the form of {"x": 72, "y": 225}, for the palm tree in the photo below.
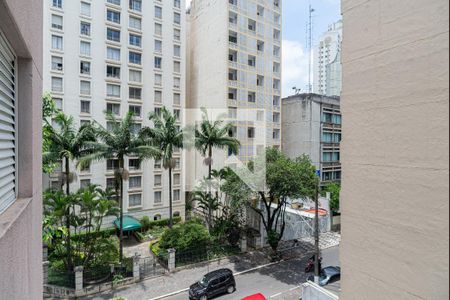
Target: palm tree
{"x": 65, "y": 144}
{"x": 214, "y": 134}
{"x": 117, "y": 143}
{"x": 167, "y": 136}
{"x": 208, "y": 203}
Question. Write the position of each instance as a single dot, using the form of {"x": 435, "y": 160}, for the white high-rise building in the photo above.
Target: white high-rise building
{"x": 234, "y": 58}
{"x": 119, "y": 56}
{"x": 327, "y": 62}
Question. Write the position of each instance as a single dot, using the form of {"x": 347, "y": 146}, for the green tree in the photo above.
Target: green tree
{"x": 285, "y": 178}
{"x": 117, "y": 143}
{"x": 64, "y": 143}
{"x": 166, "y": 136}
{"x": 213, "y": 134}
{"x": 335, "y": 190}
{"x": 209, "y": 203}
{"x": 186, "y": 236}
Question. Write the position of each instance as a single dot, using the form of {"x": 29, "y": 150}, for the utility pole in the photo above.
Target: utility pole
{"x": 310, "y": 32}
{"x": 317, "y": 235}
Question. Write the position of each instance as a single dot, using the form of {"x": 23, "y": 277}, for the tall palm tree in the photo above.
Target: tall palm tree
{"x": 213, "y": 134}
{"x": 117, "y": 143}
{"x": 65, "y": 144}
{"x": 167, "y": 136}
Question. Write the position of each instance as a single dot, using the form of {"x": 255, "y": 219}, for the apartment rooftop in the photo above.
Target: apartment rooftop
{"x": 321, "y": 99}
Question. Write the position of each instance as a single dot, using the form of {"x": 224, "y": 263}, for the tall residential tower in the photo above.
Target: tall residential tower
{"x": 327, "y": 62}
{"x": 235, "y": 63}
{"x": 119, "y": 56}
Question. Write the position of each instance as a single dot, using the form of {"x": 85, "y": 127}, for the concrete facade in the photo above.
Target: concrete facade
{"x": 395, "y": 155}
{"x": 138, "y": 48}
{"x": 327, "y": 62}
{"x": 235, "y": 64}
{"x": 311, "y": 125}
{"x": 20, "y": 223}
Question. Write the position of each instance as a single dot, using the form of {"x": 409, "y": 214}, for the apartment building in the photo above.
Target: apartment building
{"x": 119, "y": 56}
{"x": 327, "y": 62}
{"x": 312, "y": 125}
{"x": 20, "y": 149}
{"x": 395, "y": 154}
{"x": 235, "y": 65}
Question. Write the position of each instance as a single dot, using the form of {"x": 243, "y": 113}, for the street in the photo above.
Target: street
{"x": 274, "y": 279}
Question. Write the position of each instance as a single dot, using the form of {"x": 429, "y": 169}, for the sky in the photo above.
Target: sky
{"x": 295, "y": 18}
{"x": 295, "y": 53}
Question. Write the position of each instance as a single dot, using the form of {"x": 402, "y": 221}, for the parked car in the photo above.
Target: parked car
{"x": 255, "y": 297}
{"x": 213, "y": 284}
{"x": 327, "y": 275}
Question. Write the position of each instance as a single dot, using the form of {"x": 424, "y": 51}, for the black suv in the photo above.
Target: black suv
{"x": 213, "y": 284}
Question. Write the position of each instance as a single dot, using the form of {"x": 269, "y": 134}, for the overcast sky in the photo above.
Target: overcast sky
{"x": 295, "y": 18}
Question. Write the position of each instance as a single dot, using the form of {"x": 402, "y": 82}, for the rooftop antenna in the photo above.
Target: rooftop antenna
{"x": 296, "y": 90}
{"x": 310, "y": 33}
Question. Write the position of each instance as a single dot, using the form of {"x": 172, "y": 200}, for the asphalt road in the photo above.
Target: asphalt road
{"x": 274, "y": 279}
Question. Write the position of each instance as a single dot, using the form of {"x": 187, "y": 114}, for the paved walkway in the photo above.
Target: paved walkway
{"x": 131, "y": 247}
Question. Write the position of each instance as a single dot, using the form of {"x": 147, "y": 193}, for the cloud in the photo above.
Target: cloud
{"x": 295, "y": 67}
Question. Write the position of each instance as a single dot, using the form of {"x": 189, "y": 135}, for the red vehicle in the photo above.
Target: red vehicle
{"x": 255, "y": 297}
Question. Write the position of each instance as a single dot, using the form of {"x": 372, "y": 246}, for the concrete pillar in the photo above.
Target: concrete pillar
{"x": 78, "y": 280}
{"x": 136, "y": 274}
{"x": 243, "y": 244}
{"x": 171, "y": 261}
{"x": 45, "y": 266}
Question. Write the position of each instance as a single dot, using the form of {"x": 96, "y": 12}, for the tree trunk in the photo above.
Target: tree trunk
{"x": 121, "y": 166}
{"x": 210, "y": 189}
{"x": 68, "y": 242}
{"x": 210, "y": 163}
{"x": 170, "y": 199}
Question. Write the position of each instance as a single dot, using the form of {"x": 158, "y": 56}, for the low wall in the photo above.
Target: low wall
{"x": 311, "y": 291}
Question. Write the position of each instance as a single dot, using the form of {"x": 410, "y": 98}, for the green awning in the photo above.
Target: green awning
{"x": 129, "y": 223}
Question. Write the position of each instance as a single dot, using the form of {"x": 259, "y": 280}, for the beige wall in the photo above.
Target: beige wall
{"x": 20, "y": 224}
{"x": 395, "y": 198}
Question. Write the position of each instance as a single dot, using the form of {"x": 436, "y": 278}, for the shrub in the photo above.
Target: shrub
{"x": 185, "y": 236}
{"x": 147, "y": 224}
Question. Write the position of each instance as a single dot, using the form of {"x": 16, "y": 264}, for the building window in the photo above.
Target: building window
{"x": 135, "y": 128}
{"x": 157, "y": 218}
{"x": 135, "y": 182}
{"x": 158, "y": 197}
{"x": 177, "y": 67}
{"x": 158, "y": 180}
{"x": 177, "y": 99}
{"x": 136, "y": 5}
{"x": 135, "y": 40}
{"x": 232, "y": 37}
{"x": 135, "y": 58}
{"x": 158, "y": 97}
{"x": 176, "y": 196}
{"x": 85, "y": 28}
{"x": 112, "y": 164}
{"x": 260, "y": 46}
{"x": 134, "y": 164}
{"x": 113, "y": 35}
{"x": 177, "y": 18}
{"x": 158, "y": 79}
{"x": 115, "y": 2}
{"x": 113, "y": 54}
{"x": 8, "y": 127}
{"x": 158, "y": 62}
{"x": 176, "y": 179}
{"x": 135, "y": 76}
{"x": 84, "y": 183}
{"x": 135, "y": 93}
{"x": 177, "y": 34}
{"x": 57, "y": 63}
{"x": 58, "y": 103}
{"x": 57, "y": 3}
{"x": 158, "y": 12}
{"x": 177, "y": 82}
{"x": 57, "y": 84}
{"x": 251, "y": 133}
{"x": 134, "y": 200}
{"x": 110, "y": 183}
{"x": 85, "y": 68}
{"x": 158, "y": 46}
{"x": 113, "y": 72}
{"x": 85, "y": 9}
{"x": 260, "y": 80}
{"x": 113, "y": 90}
{"x": 136, "y": 110}
{"x": 252, "y": 97}
{"x": 85, "y": 88}
{"x": 251, "y": 25}
{"x": 252, "y": 61}
{"x": 157, "y": 165}
{"x": 57, "y": 22}
{"x": 85, "y": 107}
{"x": 113, "y": 108}
{"x": 135, "y": 23}
{"x": 85, "y": 48}
{"x": 177, "y": 3}
{"x": 57, "y": 42}
{"x": 158, "y": 29}
{"x": 113, "y": 16}
{"x": 177, "y": 51}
